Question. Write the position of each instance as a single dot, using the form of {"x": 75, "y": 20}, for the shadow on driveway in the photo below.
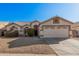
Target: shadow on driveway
{"x": 27, "y": 41}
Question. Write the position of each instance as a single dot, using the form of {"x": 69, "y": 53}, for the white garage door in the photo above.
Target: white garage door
{"x": 56, "y": 33}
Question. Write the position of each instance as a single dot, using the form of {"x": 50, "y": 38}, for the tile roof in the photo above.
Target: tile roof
{"x": 22, "y": 23}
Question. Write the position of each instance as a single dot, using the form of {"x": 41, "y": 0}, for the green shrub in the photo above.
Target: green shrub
{"x": 30, "y": 32}
{"x": 11, "y": 34}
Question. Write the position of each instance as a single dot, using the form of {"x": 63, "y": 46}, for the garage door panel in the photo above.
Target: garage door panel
{"x": 55, "y": 36}
{"x": 56, "y": 33}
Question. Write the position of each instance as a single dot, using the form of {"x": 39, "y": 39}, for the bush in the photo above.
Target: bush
{"x": 11, "y": 34}
{"x": 30, "y": 32}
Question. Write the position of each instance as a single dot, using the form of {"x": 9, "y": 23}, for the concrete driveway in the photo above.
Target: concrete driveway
{"x": 37, "y": 46}
{"x": 65, "y": 47}
{"x": 25, "y": 45}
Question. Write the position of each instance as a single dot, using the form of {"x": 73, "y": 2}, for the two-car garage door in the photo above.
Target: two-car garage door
{"x": 56, "y": 33}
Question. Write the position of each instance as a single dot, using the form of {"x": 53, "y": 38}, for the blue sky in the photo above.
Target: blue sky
{"x": 31, "y": 11}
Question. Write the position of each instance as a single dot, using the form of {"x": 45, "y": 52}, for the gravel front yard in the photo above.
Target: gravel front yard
{"x": 25, "y": 45}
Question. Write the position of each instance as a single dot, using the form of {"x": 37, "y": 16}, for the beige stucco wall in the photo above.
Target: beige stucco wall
{"x": 20, "y": 30}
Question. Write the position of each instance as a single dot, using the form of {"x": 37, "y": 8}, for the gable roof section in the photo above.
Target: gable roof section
{"x": 56, "y": 17}
{"x": 11, "y": 24}
{"x": 34, "y": 21}
{"x": 26, "y": 25}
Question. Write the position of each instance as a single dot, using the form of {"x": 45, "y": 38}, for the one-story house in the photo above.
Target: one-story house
{"x": 55, "y": 27}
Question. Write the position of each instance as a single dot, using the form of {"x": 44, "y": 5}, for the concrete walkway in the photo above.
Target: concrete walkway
{"x": 65, "y": 47}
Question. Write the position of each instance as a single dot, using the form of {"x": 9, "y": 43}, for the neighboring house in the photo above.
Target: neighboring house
{"x": 56, "y": 27}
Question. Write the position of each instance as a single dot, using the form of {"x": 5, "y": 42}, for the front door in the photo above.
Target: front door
{"x": 2, "y": 33}
{"x": 36, "y": 30}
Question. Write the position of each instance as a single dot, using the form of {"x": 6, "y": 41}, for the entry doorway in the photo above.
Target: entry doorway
{"x": 2, "y": 33}
{"x": 25, "y": 31}
{"x": 36, "y": 32}
{"x": 36, "y": 29}
{"x": 75, "y": 33}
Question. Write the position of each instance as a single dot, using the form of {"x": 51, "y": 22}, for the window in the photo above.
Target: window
{"x": 56, "y": 21}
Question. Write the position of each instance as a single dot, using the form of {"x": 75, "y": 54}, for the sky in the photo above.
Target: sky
{"x": 27, "y": 12}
